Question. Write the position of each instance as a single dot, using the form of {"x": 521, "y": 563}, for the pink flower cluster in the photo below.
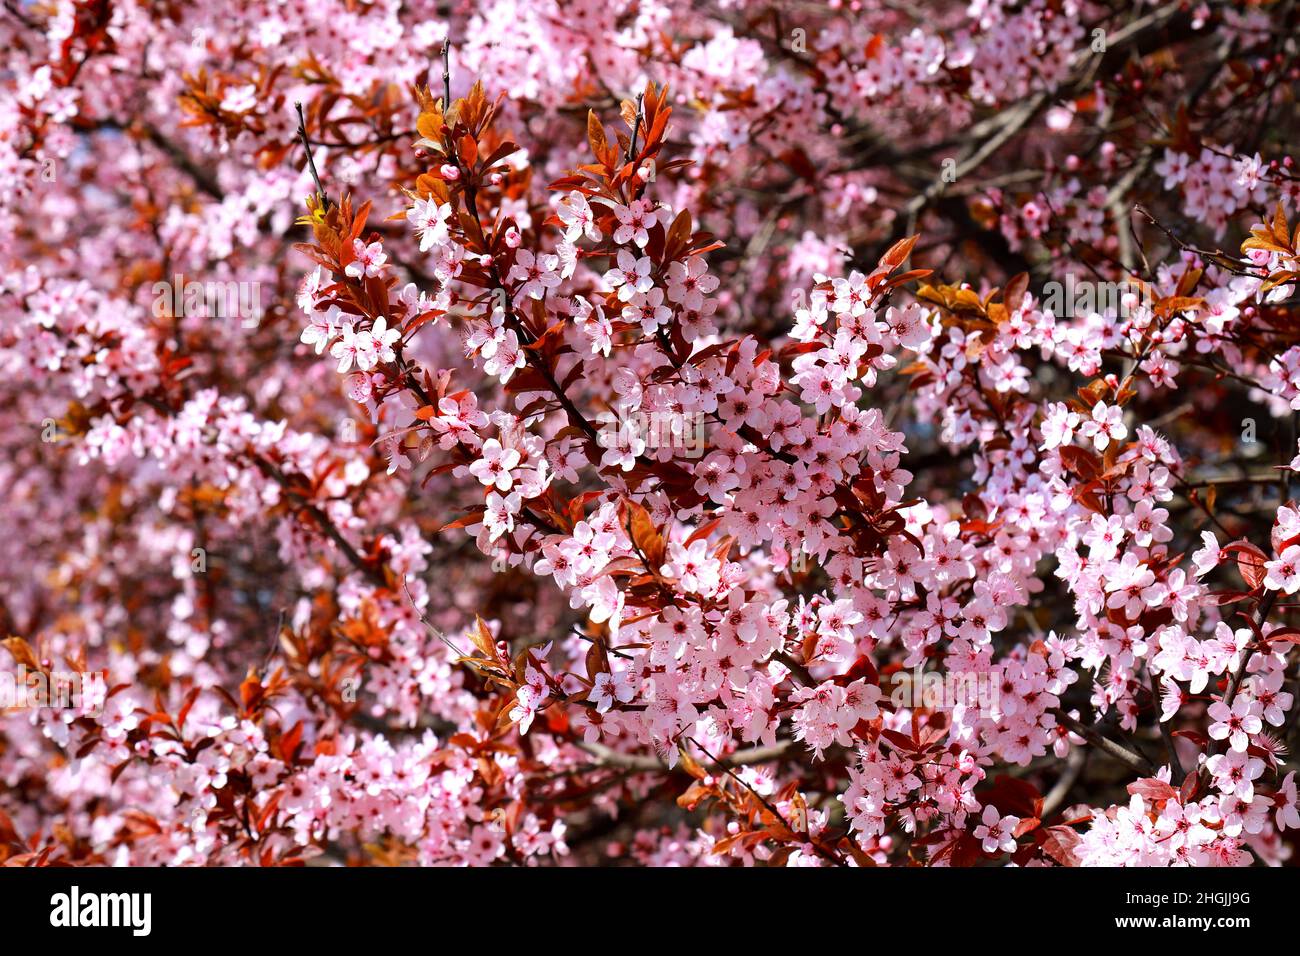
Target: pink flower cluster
{"x": 955, "y": 573}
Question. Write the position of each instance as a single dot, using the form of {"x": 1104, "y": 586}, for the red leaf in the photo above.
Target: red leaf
{"x": 1080, "y": 462}
{"x": 1250, "y": 562}
{"x": 185, "y": 707}
{"x": 1288, "y": 635}
{"x": 269, "y": 809}
{"x": 1015, "y": 291}
{"x": 1152, "y": 788}
{"x": 1061, "y": 844}
{"x": 898, "y": 252}
{"x": 1016, "y": 797}
{"x": 1026, "y": 825}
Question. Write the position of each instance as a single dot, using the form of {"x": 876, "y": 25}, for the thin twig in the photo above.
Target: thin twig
{"x": 446, "y": 72}
{"x": 1129, "y": 758}
{"x": 311, "y": 163}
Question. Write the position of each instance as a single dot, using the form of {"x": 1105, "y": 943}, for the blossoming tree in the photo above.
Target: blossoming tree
{"x": 659, "y": 435}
